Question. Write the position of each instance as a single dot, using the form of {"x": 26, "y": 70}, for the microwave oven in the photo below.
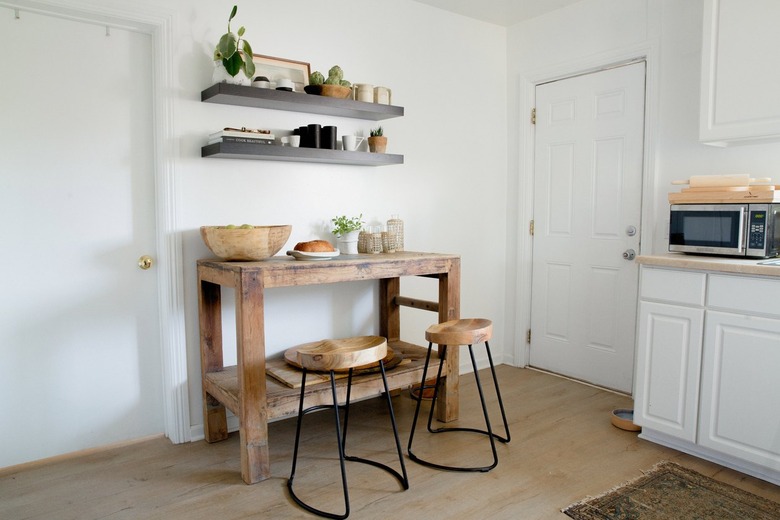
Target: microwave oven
{"x": 746, "y": 230}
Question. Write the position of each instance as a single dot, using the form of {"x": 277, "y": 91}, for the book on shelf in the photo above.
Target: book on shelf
{"x": 247, "y": 140}
{"x": 266, "y": 136}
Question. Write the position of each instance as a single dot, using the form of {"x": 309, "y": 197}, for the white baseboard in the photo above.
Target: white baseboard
{"x": 196, "y": 430}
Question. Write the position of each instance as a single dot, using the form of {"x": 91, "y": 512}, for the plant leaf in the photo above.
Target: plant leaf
{"x": 241, "y": 31}
{"x": 233, "y": 13}
{"x": 233, "y": 64}
{"x": 227, "y": 45}
{"x": 249, "y": 65}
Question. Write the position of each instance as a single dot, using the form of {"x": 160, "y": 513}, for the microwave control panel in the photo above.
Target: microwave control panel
{"x": 757, "y": 229}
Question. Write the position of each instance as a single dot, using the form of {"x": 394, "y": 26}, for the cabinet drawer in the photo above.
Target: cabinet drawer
{"x": 669, "y": 285}
{"x": 744, "y": 294}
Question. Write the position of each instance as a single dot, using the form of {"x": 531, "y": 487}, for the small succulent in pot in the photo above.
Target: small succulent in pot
{"x": 377, "y": 142}
{"x": 227, "y": 50}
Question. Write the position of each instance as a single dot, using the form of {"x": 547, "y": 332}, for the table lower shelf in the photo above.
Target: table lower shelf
{"x": 283, "y": 400}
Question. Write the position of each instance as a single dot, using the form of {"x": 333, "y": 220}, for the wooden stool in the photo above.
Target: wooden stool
{"x": 452, "y": 334}
{"x": 343, "y": 355}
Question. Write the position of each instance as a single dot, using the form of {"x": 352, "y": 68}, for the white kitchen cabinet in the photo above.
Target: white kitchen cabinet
{"x": 739, "y": 76}
{"x": 671, "y": 323}
{"x": 740, "y": 393}
{"x": 740, "y": 387}
{"x": 708, "y": 366}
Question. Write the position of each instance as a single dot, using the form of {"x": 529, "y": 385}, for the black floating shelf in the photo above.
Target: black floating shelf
{"x": 239, "y": 95}
{"x": 271, "y": 152}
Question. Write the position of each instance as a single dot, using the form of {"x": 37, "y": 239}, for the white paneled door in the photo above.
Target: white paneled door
{"x": 79, "y": 334}
{"x": 587, "y": 207}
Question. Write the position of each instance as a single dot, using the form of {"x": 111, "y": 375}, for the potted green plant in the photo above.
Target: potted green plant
{"x": 233, "y": 55}
{"x": 377, "y": 142}
{"x": 347, "y": 230}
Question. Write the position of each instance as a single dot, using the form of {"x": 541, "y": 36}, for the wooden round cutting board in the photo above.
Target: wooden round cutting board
{"x": 390, "y": 360}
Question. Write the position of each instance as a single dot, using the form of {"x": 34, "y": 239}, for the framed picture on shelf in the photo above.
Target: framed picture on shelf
{"x": 279, "y": 68}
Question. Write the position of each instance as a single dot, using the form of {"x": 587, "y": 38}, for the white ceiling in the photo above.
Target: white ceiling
{"x": 499, "y": 12}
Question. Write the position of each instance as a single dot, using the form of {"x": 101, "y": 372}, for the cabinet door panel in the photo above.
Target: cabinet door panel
{"x": 739, "y": 101}
{"x": 740, "y": 414}
{"x": 667, "y": 373}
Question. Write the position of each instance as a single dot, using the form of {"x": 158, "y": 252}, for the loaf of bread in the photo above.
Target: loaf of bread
{"x": 315, "y": 246}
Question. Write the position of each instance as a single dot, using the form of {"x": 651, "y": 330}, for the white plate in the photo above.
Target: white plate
{"x": 305, "y": 255}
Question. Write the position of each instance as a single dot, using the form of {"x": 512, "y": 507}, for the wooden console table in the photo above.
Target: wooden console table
{"x": 245, "y": 390}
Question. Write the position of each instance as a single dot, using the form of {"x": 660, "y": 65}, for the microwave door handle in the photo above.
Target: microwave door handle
{"x": 741, "y": 245}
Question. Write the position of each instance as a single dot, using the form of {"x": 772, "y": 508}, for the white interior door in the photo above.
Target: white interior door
{"x": 587, "y": 207}
{"x": 79, "y": 333}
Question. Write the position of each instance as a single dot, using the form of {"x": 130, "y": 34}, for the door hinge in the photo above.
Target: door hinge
{"x": 533, "y": 116}
{"x": 528, "y": 336}
{"x": 531, "y": 228}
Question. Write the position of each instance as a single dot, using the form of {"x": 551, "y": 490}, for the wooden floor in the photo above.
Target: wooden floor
{"x": 563, "y": 449}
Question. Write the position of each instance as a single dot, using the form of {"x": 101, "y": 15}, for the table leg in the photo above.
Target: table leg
{"x": 447, "y": 408}
{"x": 253, "y": 416}
{"x": 210, "y": 318}
{"x": 389, "y": 310}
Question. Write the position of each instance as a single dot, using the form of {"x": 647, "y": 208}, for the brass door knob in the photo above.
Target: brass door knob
{"x": 145, "y": 262}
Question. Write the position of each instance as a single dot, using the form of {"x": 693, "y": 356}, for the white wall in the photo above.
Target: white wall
{"x": 447, "y": 71}
{"x": 594, "y": 31}
{"x": 448, "y": 192}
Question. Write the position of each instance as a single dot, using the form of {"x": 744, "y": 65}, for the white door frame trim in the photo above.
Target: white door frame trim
{"x": 159, "y": 24}
{"x": 525, "y": 187}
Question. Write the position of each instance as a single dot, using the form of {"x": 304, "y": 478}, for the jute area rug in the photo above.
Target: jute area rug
{"x": 669, "y": 491}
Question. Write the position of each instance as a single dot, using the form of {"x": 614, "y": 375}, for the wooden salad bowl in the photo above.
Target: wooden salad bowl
{"x": 245, "y": 244}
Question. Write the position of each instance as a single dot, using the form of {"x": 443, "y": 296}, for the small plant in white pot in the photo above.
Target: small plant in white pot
{"x": 231, "y": 64}
{"x": 347, "y": 230}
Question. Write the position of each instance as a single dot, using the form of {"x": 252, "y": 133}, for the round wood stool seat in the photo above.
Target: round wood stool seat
{"x": 341, "y": 354}
{"x": 460, "y": 332}
{"x": 332, "y": 355}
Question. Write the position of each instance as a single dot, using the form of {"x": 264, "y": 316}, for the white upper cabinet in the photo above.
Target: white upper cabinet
{"x": 740, "y": 77}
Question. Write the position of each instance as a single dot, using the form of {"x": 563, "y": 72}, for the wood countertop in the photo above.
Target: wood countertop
{"x": 710, "y": 263}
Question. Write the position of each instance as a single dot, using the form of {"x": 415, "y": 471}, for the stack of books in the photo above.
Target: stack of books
{"x": 242, "y": 135}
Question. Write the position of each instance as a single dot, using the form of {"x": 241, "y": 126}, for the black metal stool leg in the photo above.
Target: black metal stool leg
{"x": 419, "y": 402}
{"x": 484, "y": 412}
{"x": 498, "y": 396}
{"x": 435, "y": 397}
{"x": 488, "y": 431}
{"x": 341, "y": 436}
{"x": 340, "y": 442}
{"x": 402, "y": 477}
{"x": 297, "y": 432}
{"x": 346, "y": 414}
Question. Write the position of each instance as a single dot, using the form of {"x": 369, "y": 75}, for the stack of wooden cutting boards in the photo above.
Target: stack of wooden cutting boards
{"x": 725, "y": 189}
